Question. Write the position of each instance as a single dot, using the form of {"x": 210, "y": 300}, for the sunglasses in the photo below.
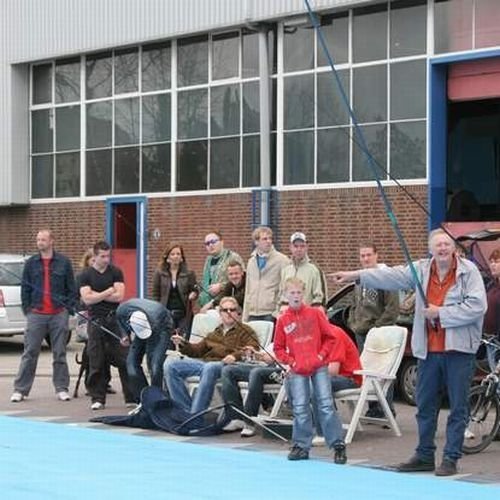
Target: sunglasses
{"x": 211, "y": 242}
{"x": 229, "y": 310}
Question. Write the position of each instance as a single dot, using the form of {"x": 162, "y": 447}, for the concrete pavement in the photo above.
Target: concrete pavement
{"x": 372, "y": 447}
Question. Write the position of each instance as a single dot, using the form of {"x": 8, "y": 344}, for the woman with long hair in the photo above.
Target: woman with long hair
{"x": 174, "y": 285}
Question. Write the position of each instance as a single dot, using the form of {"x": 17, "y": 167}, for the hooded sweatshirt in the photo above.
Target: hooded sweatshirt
{"x": 303, "y": 339}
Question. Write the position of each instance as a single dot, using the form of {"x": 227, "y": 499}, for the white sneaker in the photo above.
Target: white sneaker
{"x": 234, "y": 425}
{"x": 97, "y": 405}
{"x": 16, "y": 397}
{"x": 248, "y": 431}
{"x": 63, "y": 396}
{"x": 318, "y": 441}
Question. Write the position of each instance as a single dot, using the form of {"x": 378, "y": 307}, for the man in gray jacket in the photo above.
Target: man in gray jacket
{"x": 447, "y": 330}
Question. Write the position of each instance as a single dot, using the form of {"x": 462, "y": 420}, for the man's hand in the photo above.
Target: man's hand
{"x": 192, "y": 296}
{"x": 177, "y": 339}
{"x": 215, "y": 289}
{"x": 125, "y": 341}
{"x": 345, "y": 276}
{"x": 229, "y": 359}
{"x": 431, "y": 312}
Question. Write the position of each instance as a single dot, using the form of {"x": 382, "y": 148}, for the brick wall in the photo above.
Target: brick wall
{"x": 334, "y": 220}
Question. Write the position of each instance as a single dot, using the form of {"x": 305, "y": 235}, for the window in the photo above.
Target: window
{"x": 225, "y": 55}
{"x": 126, "y": 71}
{"x": 369, "y": 35}
{"x": 192, "y": 61}
{"x": 67, "y": 81}
{"x": 408, "y": 28}
{"x": 370, "y": 93}
{"x": 335, "y": 31}
{"x": 42, "y": 83}
{"x": 99, "y": 76}
{"x": 156, "y": 73}
{"x": 452, "y": 25}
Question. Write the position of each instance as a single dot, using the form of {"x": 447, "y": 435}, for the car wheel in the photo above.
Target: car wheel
{"x": 407, "y": 381}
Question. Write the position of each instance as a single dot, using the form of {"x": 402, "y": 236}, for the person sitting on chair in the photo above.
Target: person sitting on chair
{"x": 152, "y": 326}
{"x": 259, "y": 370}
{"x": 223, "y": 346}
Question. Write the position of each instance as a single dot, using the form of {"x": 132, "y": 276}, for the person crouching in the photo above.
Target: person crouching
{"x": 304, "y": 341}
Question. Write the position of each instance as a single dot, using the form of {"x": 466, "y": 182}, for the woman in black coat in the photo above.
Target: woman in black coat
{"x": 174, "y": 285}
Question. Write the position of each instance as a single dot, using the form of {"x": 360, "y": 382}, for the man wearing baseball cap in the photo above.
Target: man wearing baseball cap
{"x": 301, "y": 267}
{"x": 151, "y": 325}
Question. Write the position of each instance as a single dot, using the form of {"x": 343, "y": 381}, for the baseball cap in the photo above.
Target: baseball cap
{"x": 298, "y": 236}
{"x": 140, "y": 325}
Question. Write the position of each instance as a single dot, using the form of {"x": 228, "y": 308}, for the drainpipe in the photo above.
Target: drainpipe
{"x": 265, "y": 126}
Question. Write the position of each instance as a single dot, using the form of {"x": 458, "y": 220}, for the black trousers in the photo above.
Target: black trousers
{"x": 104, "y": 350}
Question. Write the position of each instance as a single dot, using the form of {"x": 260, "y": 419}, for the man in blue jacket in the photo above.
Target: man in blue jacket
{"x": 48, "y": 292}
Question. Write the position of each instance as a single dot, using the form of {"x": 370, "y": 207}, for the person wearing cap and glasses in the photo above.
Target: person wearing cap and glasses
{"x": 151, "y": 325}
{"x": 215, "y": 268}
{"x": 301, "y": 266}
{"x": 224, "y": 346}
{"x": 263, "y": 278}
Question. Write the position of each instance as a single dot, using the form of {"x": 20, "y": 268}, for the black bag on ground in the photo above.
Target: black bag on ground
{"x": 159, "y": 412}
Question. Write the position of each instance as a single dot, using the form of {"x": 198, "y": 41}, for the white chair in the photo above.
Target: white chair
{"x": 380, "y": 359}
{"x": 264, "y": 331}
{"x": 202, "y": 325}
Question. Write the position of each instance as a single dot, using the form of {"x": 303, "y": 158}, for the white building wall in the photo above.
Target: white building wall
{"x": 33, "y": 30}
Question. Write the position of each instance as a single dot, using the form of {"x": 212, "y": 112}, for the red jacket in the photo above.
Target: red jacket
{"x": 345, "y": 352}
{"x": 303, "y": 339}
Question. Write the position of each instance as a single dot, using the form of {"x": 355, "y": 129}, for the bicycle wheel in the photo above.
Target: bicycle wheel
{"x": 484, "y": 420}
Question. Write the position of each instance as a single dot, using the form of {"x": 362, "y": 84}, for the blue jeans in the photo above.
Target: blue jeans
{"x": 178, "y": 370}
{"x": 256, "y": 376}
{"x": 338, "y": 383}
{"x": 154, "y": 348}
{"x": 451, "y": 372}
{"x": 299, "y": 387}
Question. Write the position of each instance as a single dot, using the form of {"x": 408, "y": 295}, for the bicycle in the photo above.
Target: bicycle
{"x": 484, "y": 403}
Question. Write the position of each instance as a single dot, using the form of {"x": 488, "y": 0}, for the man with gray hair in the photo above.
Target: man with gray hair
{"x": 447, "y": 329}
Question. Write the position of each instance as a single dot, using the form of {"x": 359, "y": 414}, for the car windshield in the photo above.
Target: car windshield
{"x": 10, "y": 273}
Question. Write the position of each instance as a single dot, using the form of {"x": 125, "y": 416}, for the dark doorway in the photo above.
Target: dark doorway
{"x": 473, "y": 167}
{"x": 124, "y": 242}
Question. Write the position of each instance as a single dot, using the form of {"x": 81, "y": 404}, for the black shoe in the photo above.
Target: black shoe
{"x": 340, "y": 456}
{"x": 448, "y": 467}
{"x": 298, "y": 453}
{"x": 377, "y": 412}
{"x": 415, "y": 464}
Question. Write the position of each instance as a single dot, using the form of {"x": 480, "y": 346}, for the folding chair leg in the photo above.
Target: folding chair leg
{"x": 385, "y": 406}
{"x": 357, "y": 413}
{"x": 280, "y": 398}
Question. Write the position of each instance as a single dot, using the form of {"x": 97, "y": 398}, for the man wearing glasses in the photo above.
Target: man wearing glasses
{"x": 224, "y": 346}
{"x": 215, "y": 269}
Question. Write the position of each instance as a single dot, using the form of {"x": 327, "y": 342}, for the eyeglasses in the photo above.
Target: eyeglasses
{"x": 211, "y": 242}
{"x": 229, "y": 310}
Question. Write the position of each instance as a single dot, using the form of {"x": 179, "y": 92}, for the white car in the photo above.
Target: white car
{"x": 12, "y": 320}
